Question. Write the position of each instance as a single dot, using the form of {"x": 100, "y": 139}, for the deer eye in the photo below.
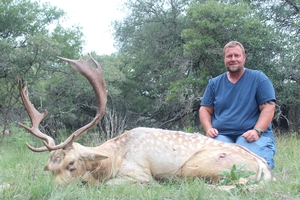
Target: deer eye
{"x": 71, "y": 166}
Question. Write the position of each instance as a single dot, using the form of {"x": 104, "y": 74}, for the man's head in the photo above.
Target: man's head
{"x": 234, "y": 56}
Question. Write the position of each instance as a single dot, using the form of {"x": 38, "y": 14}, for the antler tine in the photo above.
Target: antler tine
{"x": 35, "y": 118}
{"x": 95, "y": 77}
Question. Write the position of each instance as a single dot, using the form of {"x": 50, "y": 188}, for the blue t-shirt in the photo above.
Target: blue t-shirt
{"x": 236, "y": 106}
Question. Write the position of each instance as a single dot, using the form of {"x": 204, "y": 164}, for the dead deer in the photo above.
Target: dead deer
{"x": 138, "y": 155}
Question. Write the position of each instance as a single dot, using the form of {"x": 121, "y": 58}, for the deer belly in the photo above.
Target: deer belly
{"x": 156, "y": 163}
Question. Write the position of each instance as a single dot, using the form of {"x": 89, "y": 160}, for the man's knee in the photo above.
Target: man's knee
{"x": 264, "y": 147}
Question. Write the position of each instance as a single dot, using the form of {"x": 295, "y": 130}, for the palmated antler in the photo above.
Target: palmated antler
{"x": 35, "y": 118}
{"x": 95, "y": 77}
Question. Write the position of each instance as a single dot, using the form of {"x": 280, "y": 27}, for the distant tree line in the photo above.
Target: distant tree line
{"x": 167, "y": 52}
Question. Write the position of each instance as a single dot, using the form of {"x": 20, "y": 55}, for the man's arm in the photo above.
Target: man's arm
{"x": 205, "y": 115}
{"x": 267, "y": 111}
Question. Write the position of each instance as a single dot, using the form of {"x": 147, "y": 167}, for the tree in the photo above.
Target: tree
{"x": 29, "y": 47}
{"x": 213, "y": 25}
{"x": 149, "y": 40}
{"x": 171, "y": 49}
{"x": 284, "y": 18}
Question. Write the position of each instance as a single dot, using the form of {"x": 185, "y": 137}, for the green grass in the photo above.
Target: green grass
{"x": 23, "y": 170}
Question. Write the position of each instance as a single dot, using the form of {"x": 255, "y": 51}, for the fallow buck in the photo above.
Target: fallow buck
{"x": 138, "y": 155}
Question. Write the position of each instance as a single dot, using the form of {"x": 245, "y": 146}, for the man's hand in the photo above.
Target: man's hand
{"x": 212, "y": 132}
{"x": 251, "y": 135}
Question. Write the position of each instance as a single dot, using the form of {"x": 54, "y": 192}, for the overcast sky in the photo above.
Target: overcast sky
{"x": 95, "y": 17}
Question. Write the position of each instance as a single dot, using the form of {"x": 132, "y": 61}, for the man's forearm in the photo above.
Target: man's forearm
{"x": 205, "y": 118}
{"x": 266, "y": 115}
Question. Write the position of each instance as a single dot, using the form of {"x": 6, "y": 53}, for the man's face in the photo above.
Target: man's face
{"x": 234, "y": 59}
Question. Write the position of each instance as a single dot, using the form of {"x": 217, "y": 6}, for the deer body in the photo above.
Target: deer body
{"x": 139, "y": 155}
{"x": 143, "y": 154}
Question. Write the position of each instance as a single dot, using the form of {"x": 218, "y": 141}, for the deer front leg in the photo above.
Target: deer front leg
{"x": 131, "y": 172}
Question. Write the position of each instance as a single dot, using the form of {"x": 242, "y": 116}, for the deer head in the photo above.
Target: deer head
{"x": 67, "y": 152}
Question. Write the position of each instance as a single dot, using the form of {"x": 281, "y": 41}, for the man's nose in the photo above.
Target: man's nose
{"x": 233, "y": 58}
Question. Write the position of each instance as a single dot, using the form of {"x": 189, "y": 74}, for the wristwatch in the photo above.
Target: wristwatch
{"x": 259, "y": 131}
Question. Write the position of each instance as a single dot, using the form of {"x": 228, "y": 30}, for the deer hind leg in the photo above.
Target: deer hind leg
{"x": 209, "y": 162}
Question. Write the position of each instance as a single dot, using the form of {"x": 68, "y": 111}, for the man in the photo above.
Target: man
{"x": 238, "y": 105}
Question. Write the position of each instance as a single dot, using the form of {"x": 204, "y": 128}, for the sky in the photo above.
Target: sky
{"x": 95, "y": 17}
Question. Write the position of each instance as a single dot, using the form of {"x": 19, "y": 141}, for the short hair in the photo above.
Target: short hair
{"x": 233, "y": 44}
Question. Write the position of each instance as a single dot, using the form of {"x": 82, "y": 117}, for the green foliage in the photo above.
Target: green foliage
{"x": 233, "y": 176}
{"x": 30, "y": 40}
{"x": 18, "y": 138}
{"x": 151, "y": 52}
{"x": 185, "y": 88}
{"x": 284, "y": 18}
{"x": 211, "y": 25}
{"x": 167, "y": 52}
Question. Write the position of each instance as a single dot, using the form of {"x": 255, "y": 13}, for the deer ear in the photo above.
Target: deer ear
{"x": 93, "y": 156}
